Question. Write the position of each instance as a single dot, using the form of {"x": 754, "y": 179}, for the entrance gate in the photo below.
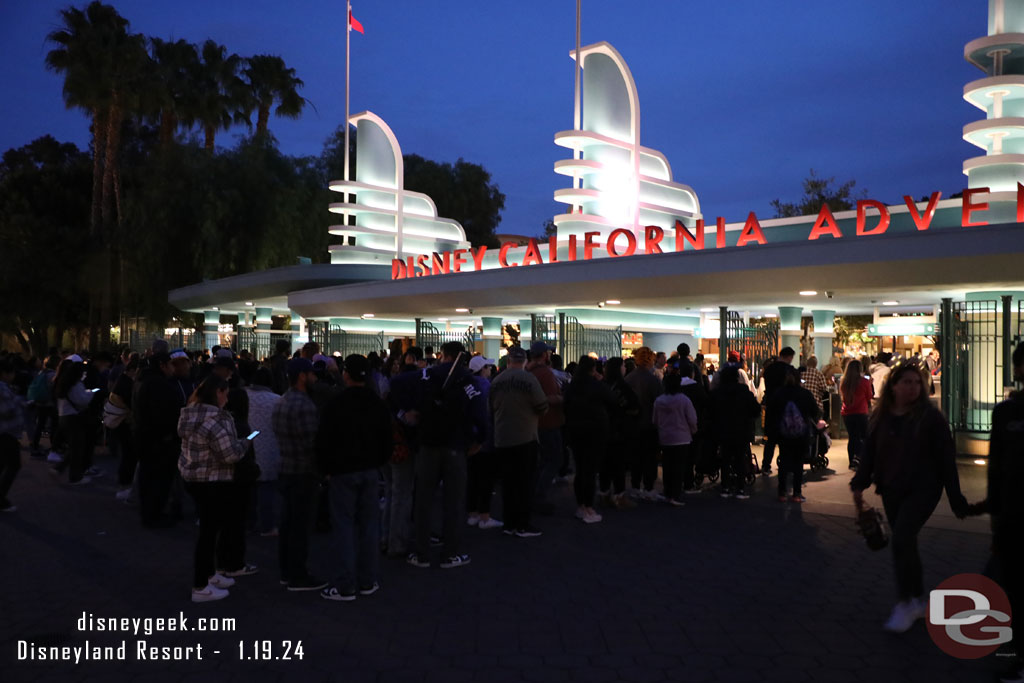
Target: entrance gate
{"x": 333, "y": 339}
{"x": 757, "y": 343}
{"x": 576, "y": 340}
{"x": 974, "y": 369}
{"x": 428, "y": 335}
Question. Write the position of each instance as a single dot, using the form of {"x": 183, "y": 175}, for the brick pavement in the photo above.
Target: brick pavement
{"x": 720, "y": 590}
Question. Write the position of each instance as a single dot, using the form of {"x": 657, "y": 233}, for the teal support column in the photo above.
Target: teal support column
{"x": 263, "y": 321}
{"x": 525, "y": 332}
{"x": 211, "y": 325}
{"x": 789, "y": 328}
{"x": 824, "y": 335}
{"x": 492, "y": 337}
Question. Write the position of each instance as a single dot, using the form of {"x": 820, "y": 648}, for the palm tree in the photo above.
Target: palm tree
{"x": 221, "y": 97}
{"x": 169, "y": 94}
{"x": 83, "y": 56}
{"x": 270, "y": 81}
{"x": 103, "y": 67}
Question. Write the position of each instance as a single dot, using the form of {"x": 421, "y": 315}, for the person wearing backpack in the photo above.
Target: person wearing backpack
{"x": 40, "y": 394}
{"x": 790, "y": 412}
{"x": 451, "y": 416}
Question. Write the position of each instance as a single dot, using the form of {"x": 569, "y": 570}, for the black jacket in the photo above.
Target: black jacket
{"x": 156, "y": 405}
{"x": 588, "y": 406}
{"x": 1006, "y": 462}
{"x": 732, "y": 413}
{"x": 355, "y": 432}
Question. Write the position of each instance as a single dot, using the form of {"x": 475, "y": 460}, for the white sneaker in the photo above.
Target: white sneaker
{"x": 491, "y": 523}
{"x": 591, "y": 518}
{"x": 208, "y": 594}
{"x": 221, "y": 581}
{"x": 55, "y": 457}
{"x": 473, "y": 520}
{"x": 902, "y": 618}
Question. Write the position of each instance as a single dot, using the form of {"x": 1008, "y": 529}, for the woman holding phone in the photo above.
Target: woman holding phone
{"x": 73, "y": 401}
{"x": 210, "y": 447}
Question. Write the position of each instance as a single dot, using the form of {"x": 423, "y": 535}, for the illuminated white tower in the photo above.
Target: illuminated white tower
{"x": 1000, "y": 94}
{"x": 390, "y": 221}
{"x": 624, "y": 185}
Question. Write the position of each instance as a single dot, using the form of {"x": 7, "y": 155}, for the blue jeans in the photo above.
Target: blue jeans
{"x": 267, "y": 505}
{"x": 355, "y": 516}
{"x": 551, "y": 447}
{"x": 400, "y": 530}
{"x": 433, "y": 465}
{"x": 300, "y": 493}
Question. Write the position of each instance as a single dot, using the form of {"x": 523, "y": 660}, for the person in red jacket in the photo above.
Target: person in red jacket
{"x": 856, "y": 391}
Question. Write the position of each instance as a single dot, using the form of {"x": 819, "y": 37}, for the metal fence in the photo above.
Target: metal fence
{"x": 757, "y": 343}
{"x": 428, "y": 335}
{"x": 576, "y": 340}
{"x": 138, "y": 335}
{"x": 975, "y": 371}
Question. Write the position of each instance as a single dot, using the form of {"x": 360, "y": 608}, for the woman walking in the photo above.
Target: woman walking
{"x": 911, "y": 458}
{"x": 857, "y": 392}
{"x": 210, "y": 447}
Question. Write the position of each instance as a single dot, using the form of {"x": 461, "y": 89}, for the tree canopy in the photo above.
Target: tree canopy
{"x": 819, "y": 191}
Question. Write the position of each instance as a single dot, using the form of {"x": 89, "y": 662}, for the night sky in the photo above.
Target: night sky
{"x": 742, "y": 97}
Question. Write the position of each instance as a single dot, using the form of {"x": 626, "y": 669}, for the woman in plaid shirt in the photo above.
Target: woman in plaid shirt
{"x": 210, "y": 447}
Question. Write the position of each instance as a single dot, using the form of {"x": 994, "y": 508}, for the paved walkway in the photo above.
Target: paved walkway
{"x": 720, "y": 590}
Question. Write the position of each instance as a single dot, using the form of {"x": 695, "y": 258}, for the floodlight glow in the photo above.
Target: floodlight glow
{"x": 462, "y": 310}
{"x": 248, "y": 303}
{"x": 808, "y": 292}
{"x": 890, "y": 303}
{"x": 980, "y": 462}
{"x": 613, "y": 302}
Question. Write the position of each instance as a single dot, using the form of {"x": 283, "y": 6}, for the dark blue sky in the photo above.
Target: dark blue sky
{"x": 742, "y": 97}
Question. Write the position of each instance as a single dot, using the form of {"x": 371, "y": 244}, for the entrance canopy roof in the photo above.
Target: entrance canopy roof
{"x": 849, "y": 275}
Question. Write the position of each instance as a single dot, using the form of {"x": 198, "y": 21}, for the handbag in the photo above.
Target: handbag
{"x": 113, "y": 415}
{"x": 872, "y": 527}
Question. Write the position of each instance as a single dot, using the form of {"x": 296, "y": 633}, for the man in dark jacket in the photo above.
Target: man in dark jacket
{"x": 774, "y": 377}
{"x": 450, "y": 420}
{"x": 156, "y": 404}
{"x": 1005, "y": 500}
{"x": 353, "y": 443}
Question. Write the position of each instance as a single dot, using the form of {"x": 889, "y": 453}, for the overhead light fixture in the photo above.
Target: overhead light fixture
{"x": 463, "y": 310}
{"x": 707, "y": 310}
{"x": 216, "y": 308}
{"x": 890, "y": 303}
{"x": 771, "y": 315}
{"x": 367, "y": 315}
{"x": 808, "y": 292}
{"x": 248, "y": 303}
{"x": 442, "y": 320}
{"x": 613, "y": 302}
{"x": 981, "y": 462}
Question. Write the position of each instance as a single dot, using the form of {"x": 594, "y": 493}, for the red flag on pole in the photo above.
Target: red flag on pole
{"x": 354, "y": 24}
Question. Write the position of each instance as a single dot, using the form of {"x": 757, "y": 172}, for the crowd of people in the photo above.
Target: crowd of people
{"x": 366, "y": 443}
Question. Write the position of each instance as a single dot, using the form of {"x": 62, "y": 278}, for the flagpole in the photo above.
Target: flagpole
{"x": 576, "y": 99}
{"x": 348, "y": 41}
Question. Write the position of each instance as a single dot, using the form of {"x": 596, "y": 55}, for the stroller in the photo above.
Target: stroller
{"x": 820, "y": 443}
{"x": 709, "y": 466}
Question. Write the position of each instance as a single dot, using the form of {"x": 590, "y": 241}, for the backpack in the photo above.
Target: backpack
{"x": 40, "y": 390}
{"x": 792, "y": 425}
{"x": 440, "y": 409}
